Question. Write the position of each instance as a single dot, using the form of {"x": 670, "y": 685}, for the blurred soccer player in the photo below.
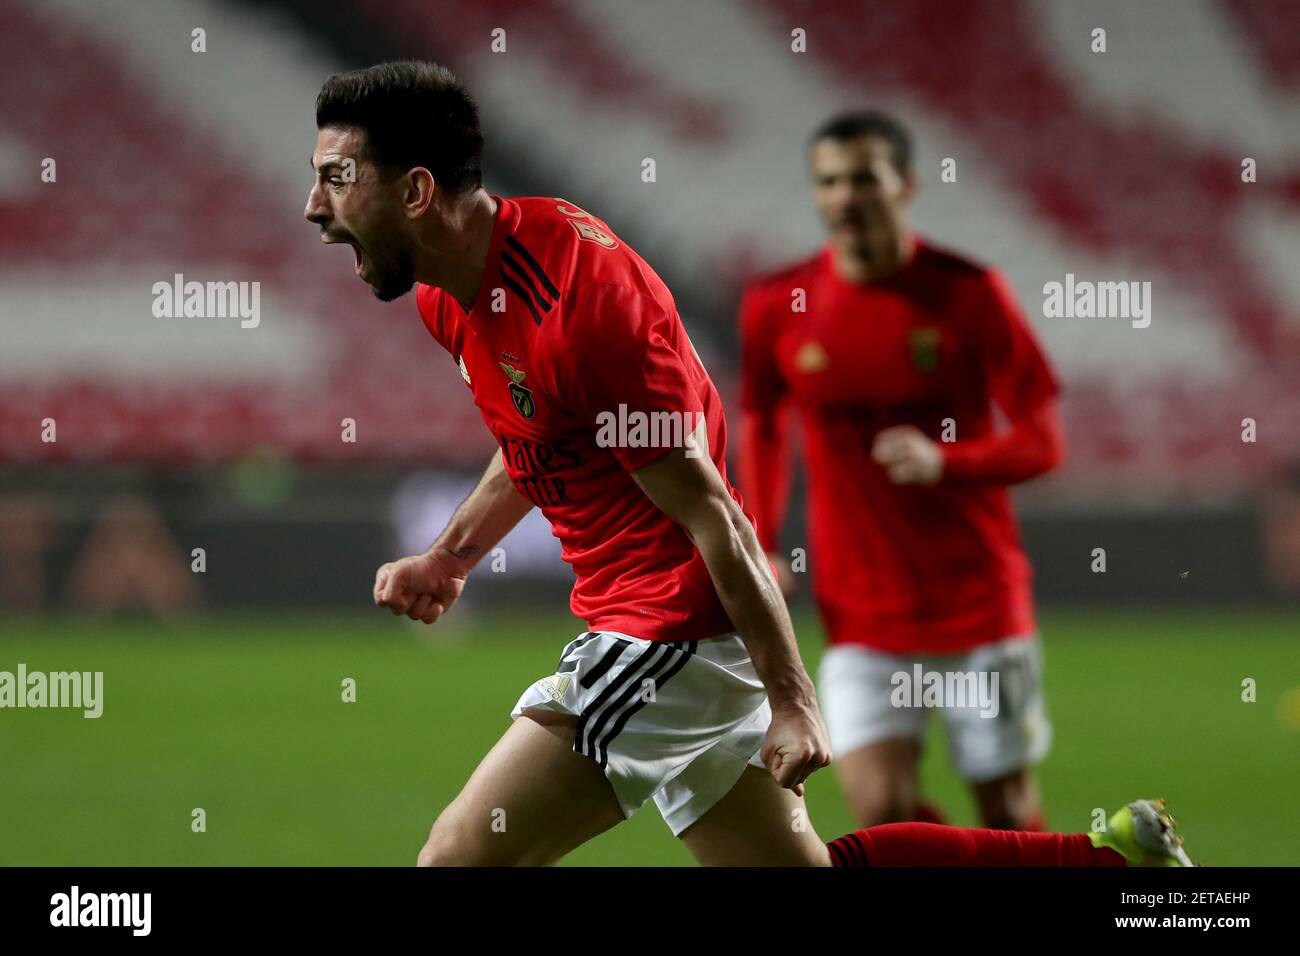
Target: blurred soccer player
{"x": 687, "y": 687}
{"x": 894, "y": 353}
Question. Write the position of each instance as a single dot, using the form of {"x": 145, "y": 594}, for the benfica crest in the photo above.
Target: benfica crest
{"x": 522, "y": 397}
{"x": 924, "y": 346}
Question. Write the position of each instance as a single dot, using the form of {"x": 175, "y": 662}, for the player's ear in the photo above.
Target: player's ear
{"x": 417, "y": 191}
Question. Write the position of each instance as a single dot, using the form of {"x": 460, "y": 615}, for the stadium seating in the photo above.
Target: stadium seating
{"x": 1121, "y": 166}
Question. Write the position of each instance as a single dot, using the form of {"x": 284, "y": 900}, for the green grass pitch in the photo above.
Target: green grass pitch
{"x": 244, "y": 718}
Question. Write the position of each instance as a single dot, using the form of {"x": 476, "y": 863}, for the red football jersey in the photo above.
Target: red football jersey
{"x": 901, "y": 568}
{"x": 571, "y": 330}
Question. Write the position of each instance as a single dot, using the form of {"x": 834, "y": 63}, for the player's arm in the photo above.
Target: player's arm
{"x": 640, "y": 358}
{"x": 1021, "y": 383}
{"x": 424, "y": 586}
{"x": 764, "y": 435}
{"x": 492, "y": 509}
{"x": 1032, "y": 445}
{"x": 765, "y": 470}
{"x": 691, "y": 492}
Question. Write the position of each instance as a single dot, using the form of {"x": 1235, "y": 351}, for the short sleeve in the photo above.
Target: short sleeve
{"x": 762, "y": 386}
{"x": 635, "y": 362}
{"x": 1020, "y": 377}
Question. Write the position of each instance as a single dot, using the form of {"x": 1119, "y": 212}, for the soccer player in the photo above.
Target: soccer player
{"x": 687, "y": 687}
{"x": 894, "y": 353}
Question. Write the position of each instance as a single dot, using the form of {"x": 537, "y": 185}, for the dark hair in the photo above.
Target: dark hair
{"x": 413, "y": 114}
{"x": 845, "y": 126}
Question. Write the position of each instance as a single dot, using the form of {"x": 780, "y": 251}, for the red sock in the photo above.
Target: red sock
{"x": 928, "y": 813}
{"x": 927, "y": 844}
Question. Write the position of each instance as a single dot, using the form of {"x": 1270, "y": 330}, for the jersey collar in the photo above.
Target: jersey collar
{"x": 507, "y": 217}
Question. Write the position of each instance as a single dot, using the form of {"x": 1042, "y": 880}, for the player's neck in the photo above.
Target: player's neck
{"x": 456, "y": 259}
{"x": 862, "y": 266}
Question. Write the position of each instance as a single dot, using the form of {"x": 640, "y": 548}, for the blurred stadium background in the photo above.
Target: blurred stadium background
{"x": 222, "y": 687}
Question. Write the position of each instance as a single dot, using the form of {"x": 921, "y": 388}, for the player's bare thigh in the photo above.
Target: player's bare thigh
{"x": 529, "y": 802}
{"x": 758, "y": 823}
{"x": 880, "y": 780}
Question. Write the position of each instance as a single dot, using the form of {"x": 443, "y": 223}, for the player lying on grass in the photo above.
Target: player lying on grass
{"x": 687, "y": 687}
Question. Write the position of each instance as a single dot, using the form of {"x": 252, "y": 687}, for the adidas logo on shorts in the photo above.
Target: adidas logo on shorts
{"x": 555, "y": 686}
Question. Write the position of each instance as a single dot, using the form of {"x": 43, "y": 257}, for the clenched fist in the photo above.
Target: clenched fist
{"x": 908, "y": 455}
{"x": 796, "y": 744}
{"x": 423, "y": 587}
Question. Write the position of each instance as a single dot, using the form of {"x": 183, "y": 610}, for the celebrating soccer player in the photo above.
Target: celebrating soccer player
{"x": 687, "y": 687}
{"x": 894, "y": 353}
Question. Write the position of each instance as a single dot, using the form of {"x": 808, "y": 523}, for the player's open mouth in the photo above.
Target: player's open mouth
{"x": 356, "y": 249}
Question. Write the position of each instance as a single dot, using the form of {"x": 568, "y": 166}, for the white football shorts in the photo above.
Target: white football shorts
{"x": 868, "y": 696}
{"x": 677, "y": 721}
